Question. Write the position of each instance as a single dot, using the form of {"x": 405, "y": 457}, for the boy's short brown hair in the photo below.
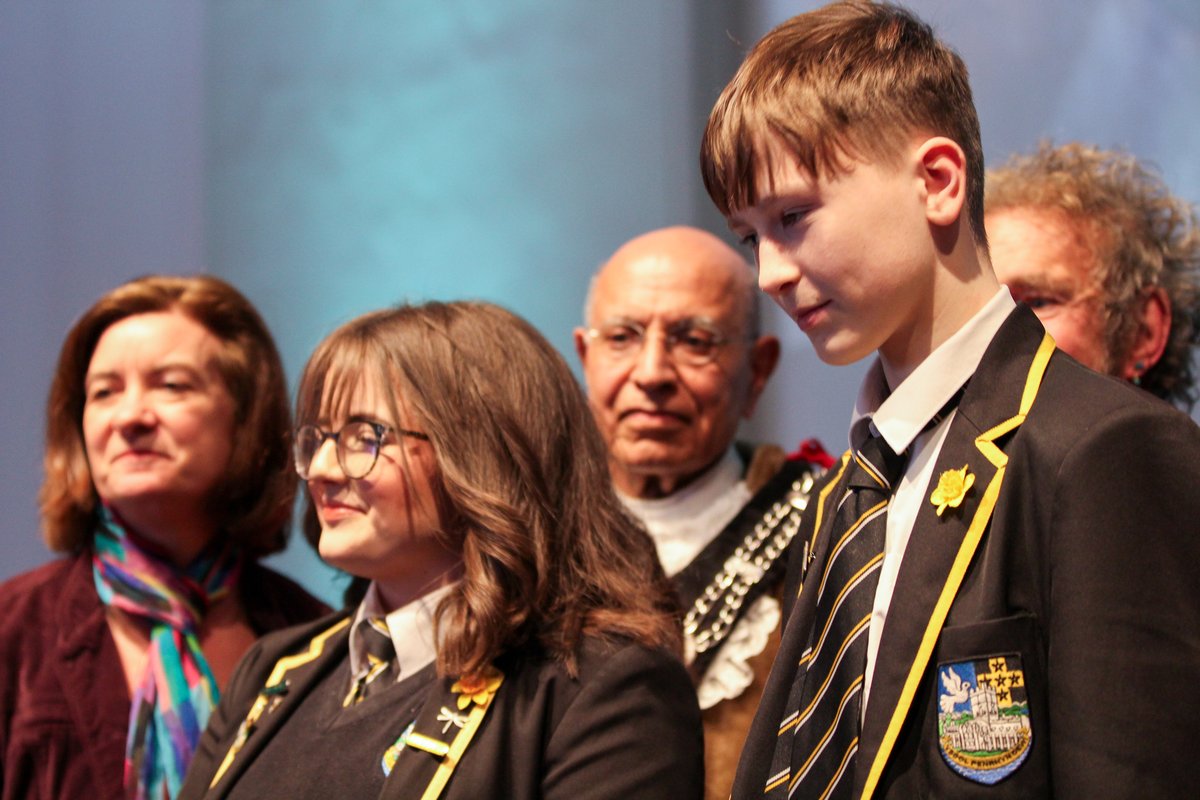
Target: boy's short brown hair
{"x": 852, "y": 79}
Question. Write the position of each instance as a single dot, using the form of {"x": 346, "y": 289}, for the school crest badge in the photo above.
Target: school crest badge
{"x": 984, "y": 729}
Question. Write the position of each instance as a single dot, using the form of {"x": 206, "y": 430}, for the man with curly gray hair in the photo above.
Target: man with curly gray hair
{"x": 1096, "y": 244}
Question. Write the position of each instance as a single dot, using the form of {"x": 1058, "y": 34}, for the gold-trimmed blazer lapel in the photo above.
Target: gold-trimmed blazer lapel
{"x": 435, "y": 745}
{"x": 941, "y": 548}
{"x": 302, "y": 670}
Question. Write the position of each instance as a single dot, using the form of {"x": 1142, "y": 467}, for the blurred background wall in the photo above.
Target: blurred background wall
{"x": 331, "y": 158}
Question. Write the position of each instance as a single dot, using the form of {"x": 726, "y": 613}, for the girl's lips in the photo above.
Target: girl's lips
{"x": 333, "y": 512}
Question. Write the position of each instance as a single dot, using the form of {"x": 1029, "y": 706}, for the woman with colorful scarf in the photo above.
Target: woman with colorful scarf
{"x": 167, "y": 476}
{"x": 517, "y": 638}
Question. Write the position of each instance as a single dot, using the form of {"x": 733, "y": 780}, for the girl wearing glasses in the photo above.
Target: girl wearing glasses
{"x": 515, "y": 639}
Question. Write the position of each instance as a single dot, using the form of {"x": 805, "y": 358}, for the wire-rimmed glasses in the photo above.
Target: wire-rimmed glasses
{"x": 689, "y": 342}
{"x": 357, "y": 445}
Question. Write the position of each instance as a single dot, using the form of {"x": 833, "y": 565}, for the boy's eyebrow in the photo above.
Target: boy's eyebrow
{"x": 772, "y": 196}
{"x": 737, "y": 219}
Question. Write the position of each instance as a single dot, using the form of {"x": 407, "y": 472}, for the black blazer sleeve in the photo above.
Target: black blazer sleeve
{"x": 632, "y": 731}
{"x": 1124, "y": 623}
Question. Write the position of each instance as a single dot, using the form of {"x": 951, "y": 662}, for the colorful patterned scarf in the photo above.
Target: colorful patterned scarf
{"x": 177, "y": 692}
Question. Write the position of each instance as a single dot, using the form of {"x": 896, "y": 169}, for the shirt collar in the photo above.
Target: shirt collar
{"x": 901, "y": 415}
{"x": 691, "y": 500}
{"x": 684, "y": 522}
{"x": 411, "y": 628}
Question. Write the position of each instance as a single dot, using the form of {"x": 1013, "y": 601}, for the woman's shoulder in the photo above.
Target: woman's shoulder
{"x": 311, "y": 638}
{"x": 626, "y": 716}
{"x": 39, "y": 579}
{"x": 33, "y": 595}
{"x": 617, "y": 663}
{"x": 48, "y": 611}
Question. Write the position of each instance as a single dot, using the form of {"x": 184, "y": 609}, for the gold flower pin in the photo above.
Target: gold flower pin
{"x": 952, "y": 487}
{"x": 477, "y": 689}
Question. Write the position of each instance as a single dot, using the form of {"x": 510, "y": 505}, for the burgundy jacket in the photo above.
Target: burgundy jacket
{"x": 64, "y": 708}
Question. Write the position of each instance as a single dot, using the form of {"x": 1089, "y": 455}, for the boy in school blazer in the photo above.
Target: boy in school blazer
{"x": 1035, "y": 625}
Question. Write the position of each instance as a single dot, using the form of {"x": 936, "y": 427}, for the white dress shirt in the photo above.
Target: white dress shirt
{"x": 900, "y": 417}
{"x": 411, "y": 627}
{"x": 683, "y": 523}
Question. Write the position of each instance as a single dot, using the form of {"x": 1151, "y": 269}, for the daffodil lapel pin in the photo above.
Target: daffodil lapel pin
{"x": 952, "y": 487}
{"x": 477, "y": 689}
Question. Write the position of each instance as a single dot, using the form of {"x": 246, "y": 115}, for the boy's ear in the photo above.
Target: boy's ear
{"x": 943, "y": 168}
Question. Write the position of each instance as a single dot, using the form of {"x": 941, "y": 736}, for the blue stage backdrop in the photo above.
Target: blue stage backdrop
{"x": 363, "y": 155}
{"x": 332, "y": 158}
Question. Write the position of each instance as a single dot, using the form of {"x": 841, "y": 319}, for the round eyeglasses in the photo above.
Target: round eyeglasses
{"x": 357, "y": 445}
{"x": 688, "y": 342}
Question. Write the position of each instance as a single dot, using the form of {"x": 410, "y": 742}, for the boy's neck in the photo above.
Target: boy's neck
{"x": 963, "y": 284}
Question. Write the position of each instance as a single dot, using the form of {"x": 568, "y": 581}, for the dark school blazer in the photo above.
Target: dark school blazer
{"x": 1075, "y": 556}
{"x": 627, "y": 726}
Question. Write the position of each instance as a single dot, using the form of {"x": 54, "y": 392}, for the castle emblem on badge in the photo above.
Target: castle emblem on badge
{"x": 984, "y": 729}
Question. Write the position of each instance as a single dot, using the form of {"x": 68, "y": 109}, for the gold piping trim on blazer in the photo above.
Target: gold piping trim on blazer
{"x": 284, "y": 665}
{"x": 458, "y": 747}
{"x": 820, "y": 510}
{"x": 966, "y": 552}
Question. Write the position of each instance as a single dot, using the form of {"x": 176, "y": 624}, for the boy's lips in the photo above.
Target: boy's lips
{"x": 808, "y": 316}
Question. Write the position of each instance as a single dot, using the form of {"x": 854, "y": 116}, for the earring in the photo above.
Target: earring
{"x": 1138, "y": 368}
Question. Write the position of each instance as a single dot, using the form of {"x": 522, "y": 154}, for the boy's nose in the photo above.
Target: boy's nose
{"x": 776, "y": 272}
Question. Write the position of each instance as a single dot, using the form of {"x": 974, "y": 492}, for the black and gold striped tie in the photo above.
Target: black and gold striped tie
{"x": 818, "y": 737}
{"x": 381, "y": 658}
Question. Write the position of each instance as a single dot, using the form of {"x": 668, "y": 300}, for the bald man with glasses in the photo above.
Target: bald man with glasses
{"x": 674, "y": 360}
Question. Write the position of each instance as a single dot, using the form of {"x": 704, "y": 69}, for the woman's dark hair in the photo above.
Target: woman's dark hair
{"x": 253, "y": 502}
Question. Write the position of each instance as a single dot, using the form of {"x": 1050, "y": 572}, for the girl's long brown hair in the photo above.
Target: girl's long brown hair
{"x": 549, "y": 554}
